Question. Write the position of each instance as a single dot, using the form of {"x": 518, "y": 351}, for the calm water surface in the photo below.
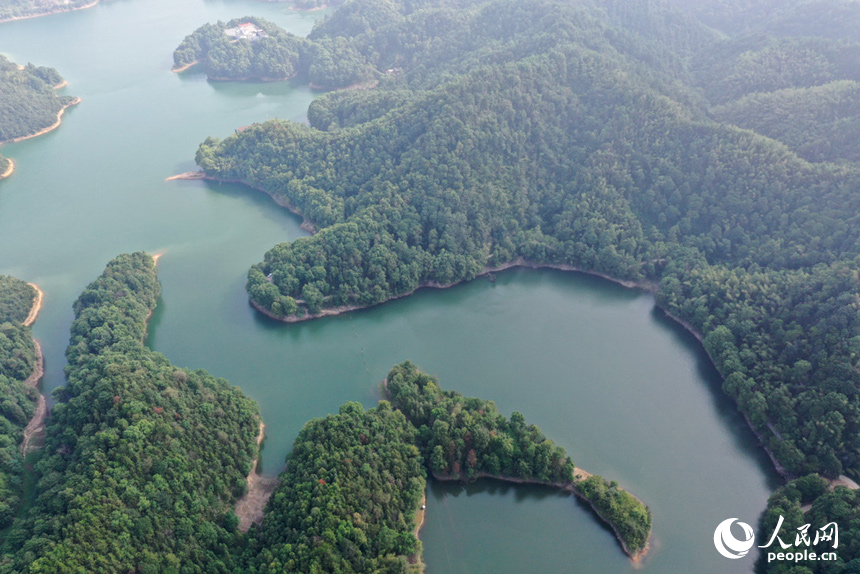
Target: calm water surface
{"x": 625, "y": 391}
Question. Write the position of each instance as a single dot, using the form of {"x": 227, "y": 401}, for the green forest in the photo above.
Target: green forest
{"x": 809, "y": 500}
{"x": 4, "y": 165}
{"x": 143, "y": 460}
{"x": 28, "y": 102}
{"x": 465, "y": 438}
{"x": 585, "y": 135}
{"x": 15, "y": 9}
{"x": 326, "y": 62}
{"x": 17, "y": 400}
{"x": 347, "y": 499}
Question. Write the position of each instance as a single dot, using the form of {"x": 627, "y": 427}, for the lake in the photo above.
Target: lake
{"x": 627, "y": 392}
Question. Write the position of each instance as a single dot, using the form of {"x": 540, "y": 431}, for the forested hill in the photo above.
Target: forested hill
{"x": 143, "y": 459}
{"x": 273, "y": 56}
{"x": 578, "y": 134}
{"x": 17, "y": 400}
{"x": 28, "y": 102}
{"x": 347, "y": 499}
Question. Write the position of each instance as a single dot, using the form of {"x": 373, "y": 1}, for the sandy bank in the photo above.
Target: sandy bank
{"x": 9, "y": 170}
{"x": 156, "y": 257}
{"x": 37, "y": 305}
{"x": 34, "y": 433}
{"x": 181, "y": 69}
{"x": 50, "y": 128}
{"x": 250, "y": 507}
{"x": 56, "y": 10}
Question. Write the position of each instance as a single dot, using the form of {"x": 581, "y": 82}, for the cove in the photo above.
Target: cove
{"x": 626, "y": 391}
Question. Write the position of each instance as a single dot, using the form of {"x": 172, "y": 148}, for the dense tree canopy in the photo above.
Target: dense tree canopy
{"x": 467, "y": 438}
{"x": 580, "y": 134}
{"x": 28, "y": 102}
{"x": 17, "y": 400}
{"x": 327, "y": 63}
{"x": 347, "y": 499}
{"x": 142, "y": 459}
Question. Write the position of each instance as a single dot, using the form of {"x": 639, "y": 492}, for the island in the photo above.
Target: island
{"x": 21, "y": 404}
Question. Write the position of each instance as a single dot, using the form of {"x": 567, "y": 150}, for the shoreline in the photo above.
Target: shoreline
{"x": 34, "y": 432}
{"x": 50, "y": 128}
{"x": 281, "y": 201}
{"x": 636, "y": 557}
{"x": 783, "y": 472}
{"x": 9, "y": 170}
{"x": 648, "y": 287}
{"x": 250, "y": 507}
{"x": 56, "y": 10}
{"x": 37, "y": 306}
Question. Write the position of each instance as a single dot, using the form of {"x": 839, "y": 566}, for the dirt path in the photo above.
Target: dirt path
{"x": 34, "y": 434}
{"x": 37, "y": 306}
{"x": 417, "y": 560}
{"x": 250, "y": 507}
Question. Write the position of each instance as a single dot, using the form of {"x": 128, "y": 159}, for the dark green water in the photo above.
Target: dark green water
{"x": 628, "y": 393}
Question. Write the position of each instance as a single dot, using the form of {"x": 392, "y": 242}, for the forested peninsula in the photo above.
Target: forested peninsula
{"x": 143, "y": 460}
{"x": 20, "y": 365}
{"x": 586, "y": 135}
{"x": 255, "y": 49}
{"x": 353, "y": 482}
{"x": 29, "y": 104}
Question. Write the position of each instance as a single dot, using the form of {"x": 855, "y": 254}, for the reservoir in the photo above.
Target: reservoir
{"x": 627, "y": 392}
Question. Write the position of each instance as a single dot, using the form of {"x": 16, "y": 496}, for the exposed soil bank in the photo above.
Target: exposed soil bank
{"x": 9, "y": 170}
{"x": 37, "y": 306}
{"x": 250, "y": 507}
{"x": 181, "y": 69}
{"x": 50, "y": 128}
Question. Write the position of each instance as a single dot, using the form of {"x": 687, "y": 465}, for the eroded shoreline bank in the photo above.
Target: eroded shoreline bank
{"x": 56, "y": 10}
{"x": 250, "y": 507}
